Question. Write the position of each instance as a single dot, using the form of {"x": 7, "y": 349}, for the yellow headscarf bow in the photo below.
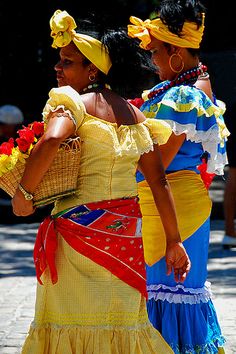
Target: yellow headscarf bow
{"x": 63, "y": 32}
{"x": 191, "y": 36}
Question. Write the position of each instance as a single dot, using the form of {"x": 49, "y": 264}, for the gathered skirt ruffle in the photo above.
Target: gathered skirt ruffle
{"x": 75, "y": 340}
{"x": 188, "y": 328}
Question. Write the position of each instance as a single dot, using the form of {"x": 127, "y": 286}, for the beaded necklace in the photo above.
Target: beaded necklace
{"x": 96, "y": 85}
{"x": 188, "y": 77}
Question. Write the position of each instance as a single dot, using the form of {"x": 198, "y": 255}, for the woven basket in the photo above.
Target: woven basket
{"x": 60, "y": 180}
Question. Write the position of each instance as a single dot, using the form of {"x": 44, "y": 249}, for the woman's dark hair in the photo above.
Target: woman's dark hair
{"x": 131, "y": 65}
{"x": 132, "y": 70}
{"x": 174, "y": 13}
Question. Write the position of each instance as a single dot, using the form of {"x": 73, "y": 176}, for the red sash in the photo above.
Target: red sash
{"x": 107, "y": 232}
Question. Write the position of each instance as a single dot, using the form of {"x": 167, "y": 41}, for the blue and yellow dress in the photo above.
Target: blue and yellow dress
{"x": 184, "y": 313}
{"x": 91, "y": 291}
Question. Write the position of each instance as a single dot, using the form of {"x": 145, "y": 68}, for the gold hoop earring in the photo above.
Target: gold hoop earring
{"x": 170, "y": 63}
{"x": 92, "y": 77}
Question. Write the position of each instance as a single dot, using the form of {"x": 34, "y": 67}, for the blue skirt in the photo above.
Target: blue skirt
{"x": 184, "y": 312}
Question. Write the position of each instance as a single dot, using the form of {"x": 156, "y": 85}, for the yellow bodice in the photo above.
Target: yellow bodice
{"x": 109, "y": 154}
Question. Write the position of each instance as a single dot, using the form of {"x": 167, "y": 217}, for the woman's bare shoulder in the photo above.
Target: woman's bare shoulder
{"x": 109, "y": 106}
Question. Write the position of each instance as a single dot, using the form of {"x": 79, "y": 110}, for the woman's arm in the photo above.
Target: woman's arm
{"x": 59, "y": 127}
{"x": 153, "y": 170}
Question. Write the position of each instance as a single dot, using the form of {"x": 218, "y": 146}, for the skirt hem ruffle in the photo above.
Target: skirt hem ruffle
{"x": 188, "y": 328}
{"x": 93, "y": 340}
{"x": 211, "y": 347}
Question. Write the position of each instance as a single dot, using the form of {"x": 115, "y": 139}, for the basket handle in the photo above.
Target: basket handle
{"x": 71, "y": 143}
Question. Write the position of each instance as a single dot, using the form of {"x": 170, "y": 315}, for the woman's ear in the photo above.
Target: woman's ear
{"x": 170, "y": 48}
{"x": 92, "y": 73}
{"x": 93, "y": 70}
{"x": 174, "y": 49}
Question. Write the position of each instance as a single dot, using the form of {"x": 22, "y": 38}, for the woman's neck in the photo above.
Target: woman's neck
{"x": 190, "y": 64}
{"x": 188, "y": 77}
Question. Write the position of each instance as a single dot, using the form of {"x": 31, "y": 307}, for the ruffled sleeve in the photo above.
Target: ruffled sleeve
{"x": 140, "y": 138}
{"x": 160, "y": 130}
{"x": 189, "y": 110}
{"x": 69, "y": 100}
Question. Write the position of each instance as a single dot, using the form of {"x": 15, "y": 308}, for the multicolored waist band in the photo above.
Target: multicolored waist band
{"x": 107, "y": 232}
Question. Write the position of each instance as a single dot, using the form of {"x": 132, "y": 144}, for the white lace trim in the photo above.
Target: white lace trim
{"x": 132, "y": 147}
{"x": 209, "y": 140}
{"x": 149, "y": 148}
{"x": 135, "y": 150}
{"x": 196, "y": 296}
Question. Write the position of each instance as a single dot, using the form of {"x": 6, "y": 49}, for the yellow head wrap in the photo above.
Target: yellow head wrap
{"x": 191, "y": 36}
{"x": 63, "y": 32}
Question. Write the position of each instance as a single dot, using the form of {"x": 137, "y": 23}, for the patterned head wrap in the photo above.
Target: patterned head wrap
{"x": 191, "y": 36}
{"x": 63, "y": 32}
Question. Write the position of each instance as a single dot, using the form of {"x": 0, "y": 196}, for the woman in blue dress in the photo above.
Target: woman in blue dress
{"x": 182, "y": 312}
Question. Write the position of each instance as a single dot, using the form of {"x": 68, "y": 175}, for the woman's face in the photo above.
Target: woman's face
{"x": 160, "y": 57}
{"x": 70, "y": 69}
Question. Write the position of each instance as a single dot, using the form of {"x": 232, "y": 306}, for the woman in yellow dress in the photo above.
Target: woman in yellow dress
{"x": 91, "y": 291}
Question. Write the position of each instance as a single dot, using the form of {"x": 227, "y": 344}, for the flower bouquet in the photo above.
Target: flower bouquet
{"x": 60, "y": 179}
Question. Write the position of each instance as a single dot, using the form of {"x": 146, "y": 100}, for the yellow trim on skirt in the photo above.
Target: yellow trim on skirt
{"x": 193, "y": 207}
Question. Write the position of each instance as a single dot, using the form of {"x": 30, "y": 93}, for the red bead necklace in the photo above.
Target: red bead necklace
{"x": 186, "y": 78}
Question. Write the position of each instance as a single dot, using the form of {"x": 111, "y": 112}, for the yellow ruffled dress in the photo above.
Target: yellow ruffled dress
{"x": 89, "y": 310}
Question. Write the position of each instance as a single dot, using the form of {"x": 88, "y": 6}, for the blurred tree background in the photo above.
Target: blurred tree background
{"x": 27, "y": 59}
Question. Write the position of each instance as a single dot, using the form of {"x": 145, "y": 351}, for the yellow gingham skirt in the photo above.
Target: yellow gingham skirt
{"x": 89, "y": 311}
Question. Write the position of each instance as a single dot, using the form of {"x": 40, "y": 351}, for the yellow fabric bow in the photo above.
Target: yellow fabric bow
{"x": 191, "y": 36}
{"x": 63, "y": 32}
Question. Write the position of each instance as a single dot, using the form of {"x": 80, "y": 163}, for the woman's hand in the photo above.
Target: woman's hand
{"x": 178, "y": 261}
{"x": 21, "y": 206}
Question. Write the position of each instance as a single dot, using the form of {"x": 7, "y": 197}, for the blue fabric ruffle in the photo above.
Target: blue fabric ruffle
{"x": 186, "y": 319}
{"x": 189, "y": 110}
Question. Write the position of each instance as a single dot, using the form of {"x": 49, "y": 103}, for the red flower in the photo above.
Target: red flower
{"x": 136, "y": 101}
{"x": 27, "y": 134}
{"x": 38, "y": 128}
{"x": 23, "y": 144}
{"x": 206, "y": 177}
{"x": 6, "y": 147}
